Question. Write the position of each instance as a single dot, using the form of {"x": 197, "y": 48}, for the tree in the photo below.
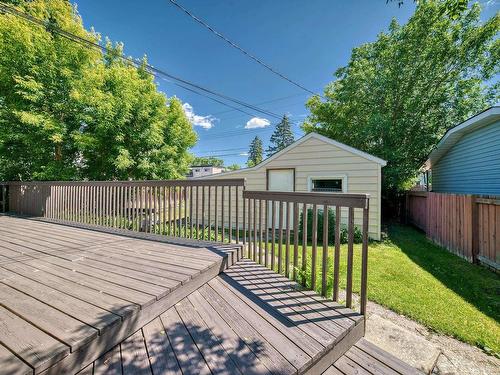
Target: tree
{"x": 453, "y": 8}
{"x": 71, "y": 112}
{"x": 255, "y": 152}
{"x": 281, "y": 137}
{"x": 233, "y": 167}
{"x": 398, "y": 95}
{"x": 210, "y": 160}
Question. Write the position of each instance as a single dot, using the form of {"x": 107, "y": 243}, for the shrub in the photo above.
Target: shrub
{"x": 358, "y": 237}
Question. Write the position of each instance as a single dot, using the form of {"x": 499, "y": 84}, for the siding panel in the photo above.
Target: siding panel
{"x": 472, "y": 165}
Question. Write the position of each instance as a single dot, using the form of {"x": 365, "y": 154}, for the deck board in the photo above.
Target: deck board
{"x": 71, "y": 294}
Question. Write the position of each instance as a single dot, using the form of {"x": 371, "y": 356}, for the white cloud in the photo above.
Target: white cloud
{"x": 206, "y": 122}
{"x": 244, "y": 154}
{"x": 257, "y": 122}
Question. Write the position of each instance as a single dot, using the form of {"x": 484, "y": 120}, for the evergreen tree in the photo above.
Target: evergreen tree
{"x": 255, "y": 152}
{"x": 282, "y": 136}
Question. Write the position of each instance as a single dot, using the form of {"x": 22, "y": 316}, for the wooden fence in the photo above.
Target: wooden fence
{"x": 467, "y": 225}
{"x": 266, "y": 223}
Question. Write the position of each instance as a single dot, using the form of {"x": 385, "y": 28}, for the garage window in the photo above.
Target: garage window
{"x": 327, "y": 184}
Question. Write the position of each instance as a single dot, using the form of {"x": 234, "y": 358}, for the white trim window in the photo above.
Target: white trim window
{"x": 328, "y": 184}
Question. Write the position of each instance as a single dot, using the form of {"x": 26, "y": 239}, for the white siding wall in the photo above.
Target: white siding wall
{"x": 315, "y": 157}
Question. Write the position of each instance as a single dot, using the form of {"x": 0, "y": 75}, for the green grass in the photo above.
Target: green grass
{"x": 416, "y": 278}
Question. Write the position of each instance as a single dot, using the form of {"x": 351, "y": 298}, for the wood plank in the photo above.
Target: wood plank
{"x": 282, "y": 337}
{"x": 368, "y": 362}
{"x": 135, "y": 359}
{"x": 77, "y": 309}
{"x": 161, "y": 354}
{"x": 12, "y": 365}
{"x": 387, "y": 358}
{"x": 348, "y": 367}
{"x": 247, "y": 331}
{"x": 105, "y": 301}
{"x": 31, "y": 344}
{"x": 235, "y": 346}
{"x": 188, "y": 356}
{"x": 216, "y": 357}
{"x": 65, "y": 328}
{"x": 109, "y": 363}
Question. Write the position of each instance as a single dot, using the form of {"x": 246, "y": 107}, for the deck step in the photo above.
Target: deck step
{"x": 247, "y": 320}
{"x": 368, "y": 359}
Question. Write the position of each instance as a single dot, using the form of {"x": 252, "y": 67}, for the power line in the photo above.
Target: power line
{"x": 185, "y": 84}
{"x": 234, "y": 45}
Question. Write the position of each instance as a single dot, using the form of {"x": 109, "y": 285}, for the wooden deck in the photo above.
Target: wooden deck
{"x": 67, "y": 295}
{"x": 77, "y": 300}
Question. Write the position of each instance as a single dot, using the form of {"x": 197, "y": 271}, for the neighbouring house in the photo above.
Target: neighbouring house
{"x": 467, "y": 159}
{"x": 204, "y": 170}
{"x": 315, "y": 163}
{"x": 461, "y": 209}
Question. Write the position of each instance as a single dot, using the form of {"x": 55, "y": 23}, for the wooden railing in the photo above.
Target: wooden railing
{"x": 181, "y": 208}
{"x": 280, "y": 230}
{"x": 276, "y": 234}
{"x": 3, "y": 197}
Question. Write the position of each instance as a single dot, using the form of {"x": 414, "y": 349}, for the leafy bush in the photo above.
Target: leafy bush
{"x": 358, "y": 237}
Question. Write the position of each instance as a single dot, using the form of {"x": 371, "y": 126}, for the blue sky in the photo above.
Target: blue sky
{"x": 305, "y": 40}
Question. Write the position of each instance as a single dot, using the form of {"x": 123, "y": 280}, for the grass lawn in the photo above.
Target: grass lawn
{"x": 413, "y": 277}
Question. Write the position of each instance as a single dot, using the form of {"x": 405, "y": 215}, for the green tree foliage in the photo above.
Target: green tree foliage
{"x": 69, "y": 112}
{"x": 210, "y": 160}
{"x": 398, "y": 95}
{"x": 255, "y": 152}
{"x": 281, "y": 137}
{"x": 452, "y": 8}
{"x": 233, "y": 167}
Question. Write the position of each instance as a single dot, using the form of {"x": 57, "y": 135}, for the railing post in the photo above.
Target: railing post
{"x": 364, "y": 260}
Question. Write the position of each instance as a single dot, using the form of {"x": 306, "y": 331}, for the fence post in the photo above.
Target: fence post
{"x": 4, "y": 199}
{"x": 475, "y": 228}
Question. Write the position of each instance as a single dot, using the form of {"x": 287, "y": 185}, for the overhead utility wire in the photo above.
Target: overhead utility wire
{"x": 150, "y": 69}
{"x": 234, "y": 45}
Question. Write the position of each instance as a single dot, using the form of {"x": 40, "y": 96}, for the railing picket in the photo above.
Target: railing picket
{"x": 287, "y": 241}
{"x": 364, "y": 261}
{"x": 280, "y": 238}
{"x": 191, "y": 212}
{"x": 261, "y": 206}
{"x": 216, "y": 213}
{"x": 266, "y": 243}
{"x": 209, "y": 212}
{"x": 273, "y": 234}
{"x": 230, "y": 215}
{"x": 203, "y": 212}
{"x": 304, "y": 242}
{"x": 324, "y": 263}
{"x": 223, "y": 221}
{"x": 350, "y": 241}
{"x": 314, "y": 239}
{"x": 175, "y": 211}
{"x": 237, "y": 214}
{"x": 169, "y": 211}
{"x": 336, "y": 257}
{"x": 249, "y": 230}
{"x": 295, "y": 239}
{"x": 255, "y": 230}
{"x": 197, "y": 211}
{"x": 245, "y": 227}
{"x": 180, "y": 211}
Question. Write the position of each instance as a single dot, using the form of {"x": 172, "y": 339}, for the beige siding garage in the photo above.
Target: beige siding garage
{"x": 315, "y": 158}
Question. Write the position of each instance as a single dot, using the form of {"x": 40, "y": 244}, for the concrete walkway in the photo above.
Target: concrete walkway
{"x": 426, "y": 350}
